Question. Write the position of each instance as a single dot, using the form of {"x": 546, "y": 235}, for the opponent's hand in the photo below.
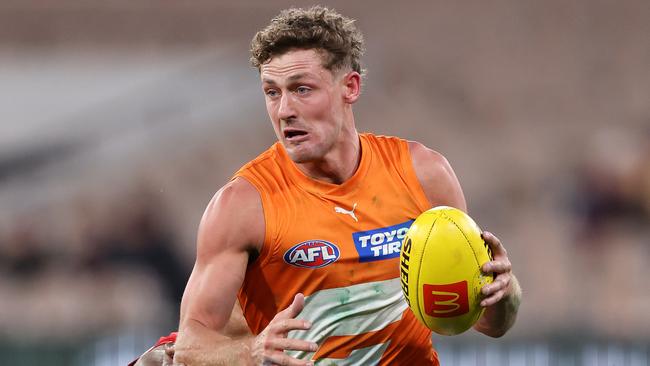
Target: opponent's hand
{"x": 502, "y": 269}
{"x": 168, "y": 358}
{"x": 162, "y": 355}
{"x": 269, "y": 346}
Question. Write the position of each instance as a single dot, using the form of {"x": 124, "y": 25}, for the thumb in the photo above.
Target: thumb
{"x": 294, "y": 309}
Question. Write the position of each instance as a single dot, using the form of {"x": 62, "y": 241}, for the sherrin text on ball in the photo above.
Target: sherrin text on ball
{"x": 440, "y": 269}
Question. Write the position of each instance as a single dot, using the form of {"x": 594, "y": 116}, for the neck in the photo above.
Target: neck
{"x": 338, "y": 165}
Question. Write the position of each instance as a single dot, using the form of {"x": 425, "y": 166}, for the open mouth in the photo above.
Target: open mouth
{"x": 291, "y": 134}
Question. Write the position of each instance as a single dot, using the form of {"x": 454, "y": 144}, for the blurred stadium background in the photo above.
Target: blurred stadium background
{"x": 120, "y": 119}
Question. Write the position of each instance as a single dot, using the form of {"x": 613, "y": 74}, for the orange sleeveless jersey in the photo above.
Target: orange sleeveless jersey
{"x": 339, "y": 246}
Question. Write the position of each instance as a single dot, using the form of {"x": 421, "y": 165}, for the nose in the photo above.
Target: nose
{"x": 286, "y": 110}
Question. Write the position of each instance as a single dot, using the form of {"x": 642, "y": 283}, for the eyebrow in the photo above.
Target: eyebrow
{"x": 290, "y": 78}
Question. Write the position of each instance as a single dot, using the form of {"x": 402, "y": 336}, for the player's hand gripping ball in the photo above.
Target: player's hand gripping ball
{"x": 440, "y": 269}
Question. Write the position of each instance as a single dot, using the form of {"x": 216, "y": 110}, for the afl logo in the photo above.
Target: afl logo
{"x": 312, "y": 254}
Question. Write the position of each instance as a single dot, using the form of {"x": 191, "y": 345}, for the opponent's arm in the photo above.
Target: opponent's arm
{"x": 502, "y": 297}
{"x": 231, "y": 228}
{"x": 163, "y": 354}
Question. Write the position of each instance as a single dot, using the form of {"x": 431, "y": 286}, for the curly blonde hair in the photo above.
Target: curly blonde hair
{"x": 319, "y": 28}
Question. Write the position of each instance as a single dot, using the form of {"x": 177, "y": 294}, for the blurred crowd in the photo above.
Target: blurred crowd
{"x": 116, "y": 266}
{"x": 542, "y": 109}
{"x": 611, "y": 191}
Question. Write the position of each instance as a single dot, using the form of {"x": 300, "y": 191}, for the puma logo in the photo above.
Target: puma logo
{"x": 341, "y": 210}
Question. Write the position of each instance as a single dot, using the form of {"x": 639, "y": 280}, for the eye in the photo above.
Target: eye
{"x": 303, "y": 90}
{"x": 271, "y": 93}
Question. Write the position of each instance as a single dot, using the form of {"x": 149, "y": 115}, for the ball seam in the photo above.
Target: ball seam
{"x": 417, "y": 287}
{"x": 464, "y": 236}
{"x": 479, "y": 314}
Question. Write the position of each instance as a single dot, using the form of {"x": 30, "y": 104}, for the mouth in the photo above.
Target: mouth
{"x": 294, "y": 135}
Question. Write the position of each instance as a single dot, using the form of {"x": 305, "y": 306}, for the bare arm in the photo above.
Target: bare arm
{"x": 232, "y": 227}
{"x": 236, "y": 326}
{"x": 164, "y": 354}
{"x": 438, "y": 180}
{"x": 503, "y": 296}
{"x": 223, "y": 243}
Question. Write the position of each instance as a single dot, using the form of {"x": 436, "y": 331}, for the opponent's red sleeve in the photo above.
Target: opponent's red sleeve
{"x": 171, "y": 338}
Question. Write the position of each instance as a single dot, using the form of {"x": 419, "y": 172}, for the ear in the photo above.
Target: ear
{"x": 352, "y": 87}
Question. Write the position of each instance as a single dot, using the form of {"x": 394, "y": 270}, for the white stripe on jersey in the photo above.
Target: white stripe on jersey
{"x": 351, "y": 310}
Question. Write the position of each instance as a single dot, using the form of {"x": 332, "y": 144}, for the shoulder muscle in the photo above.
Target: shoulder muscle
{"x": 232, "y": 221}
{"x": 436, "y": 176}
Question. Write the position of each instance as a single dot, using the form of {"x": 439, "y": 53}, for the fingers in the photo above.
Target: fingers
{"x": 496, "y": 290}
{"x": 496, "y": 297}
{"x": 281, "y": 358}
{"x": 170, "y": 349}
{"x": 173, "y": 362}
{"x": 168, "y": 355}
{"x": 495, "y": 244}
{"x": 269, "y": 346}
{"x": 294, "y": 309}
{"x": 501, "y": 264}
{"x": 498, "y": 267}
{"x": 291, "y": 344}
{"x": 283, "y": 326}
{"x": 500, "y": 283}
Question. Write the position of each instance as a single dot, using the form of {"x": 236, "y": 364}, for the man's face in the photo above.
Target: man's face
{"x": 305, "y": 103}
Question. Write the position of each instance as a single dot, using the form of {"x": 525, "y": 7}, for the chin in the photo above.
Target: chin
{"x": 299, "y": 158}
{"x": 301, "y": 155}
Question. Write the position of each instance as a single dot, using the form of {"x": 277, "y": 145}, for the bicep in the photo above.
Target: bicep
{"x": 230, "y": 227}
{"x": 212, "y": 288}
{"x": 436, "y": 177}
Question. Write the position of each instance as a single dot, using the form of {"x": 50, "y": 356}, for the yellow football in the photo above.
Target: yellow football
{"x": 440, "y": 269}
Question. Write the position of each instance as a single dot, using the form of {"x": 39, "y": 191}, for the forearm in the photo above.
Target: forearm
{"x": 198, "y": 345}
{"x": 500, "y": 317}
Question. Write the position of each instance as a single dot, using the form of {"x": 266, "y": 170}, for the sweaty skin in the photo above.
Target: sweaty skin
{"x": 310, "y": 109}
{"x": 311, "y": 112}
